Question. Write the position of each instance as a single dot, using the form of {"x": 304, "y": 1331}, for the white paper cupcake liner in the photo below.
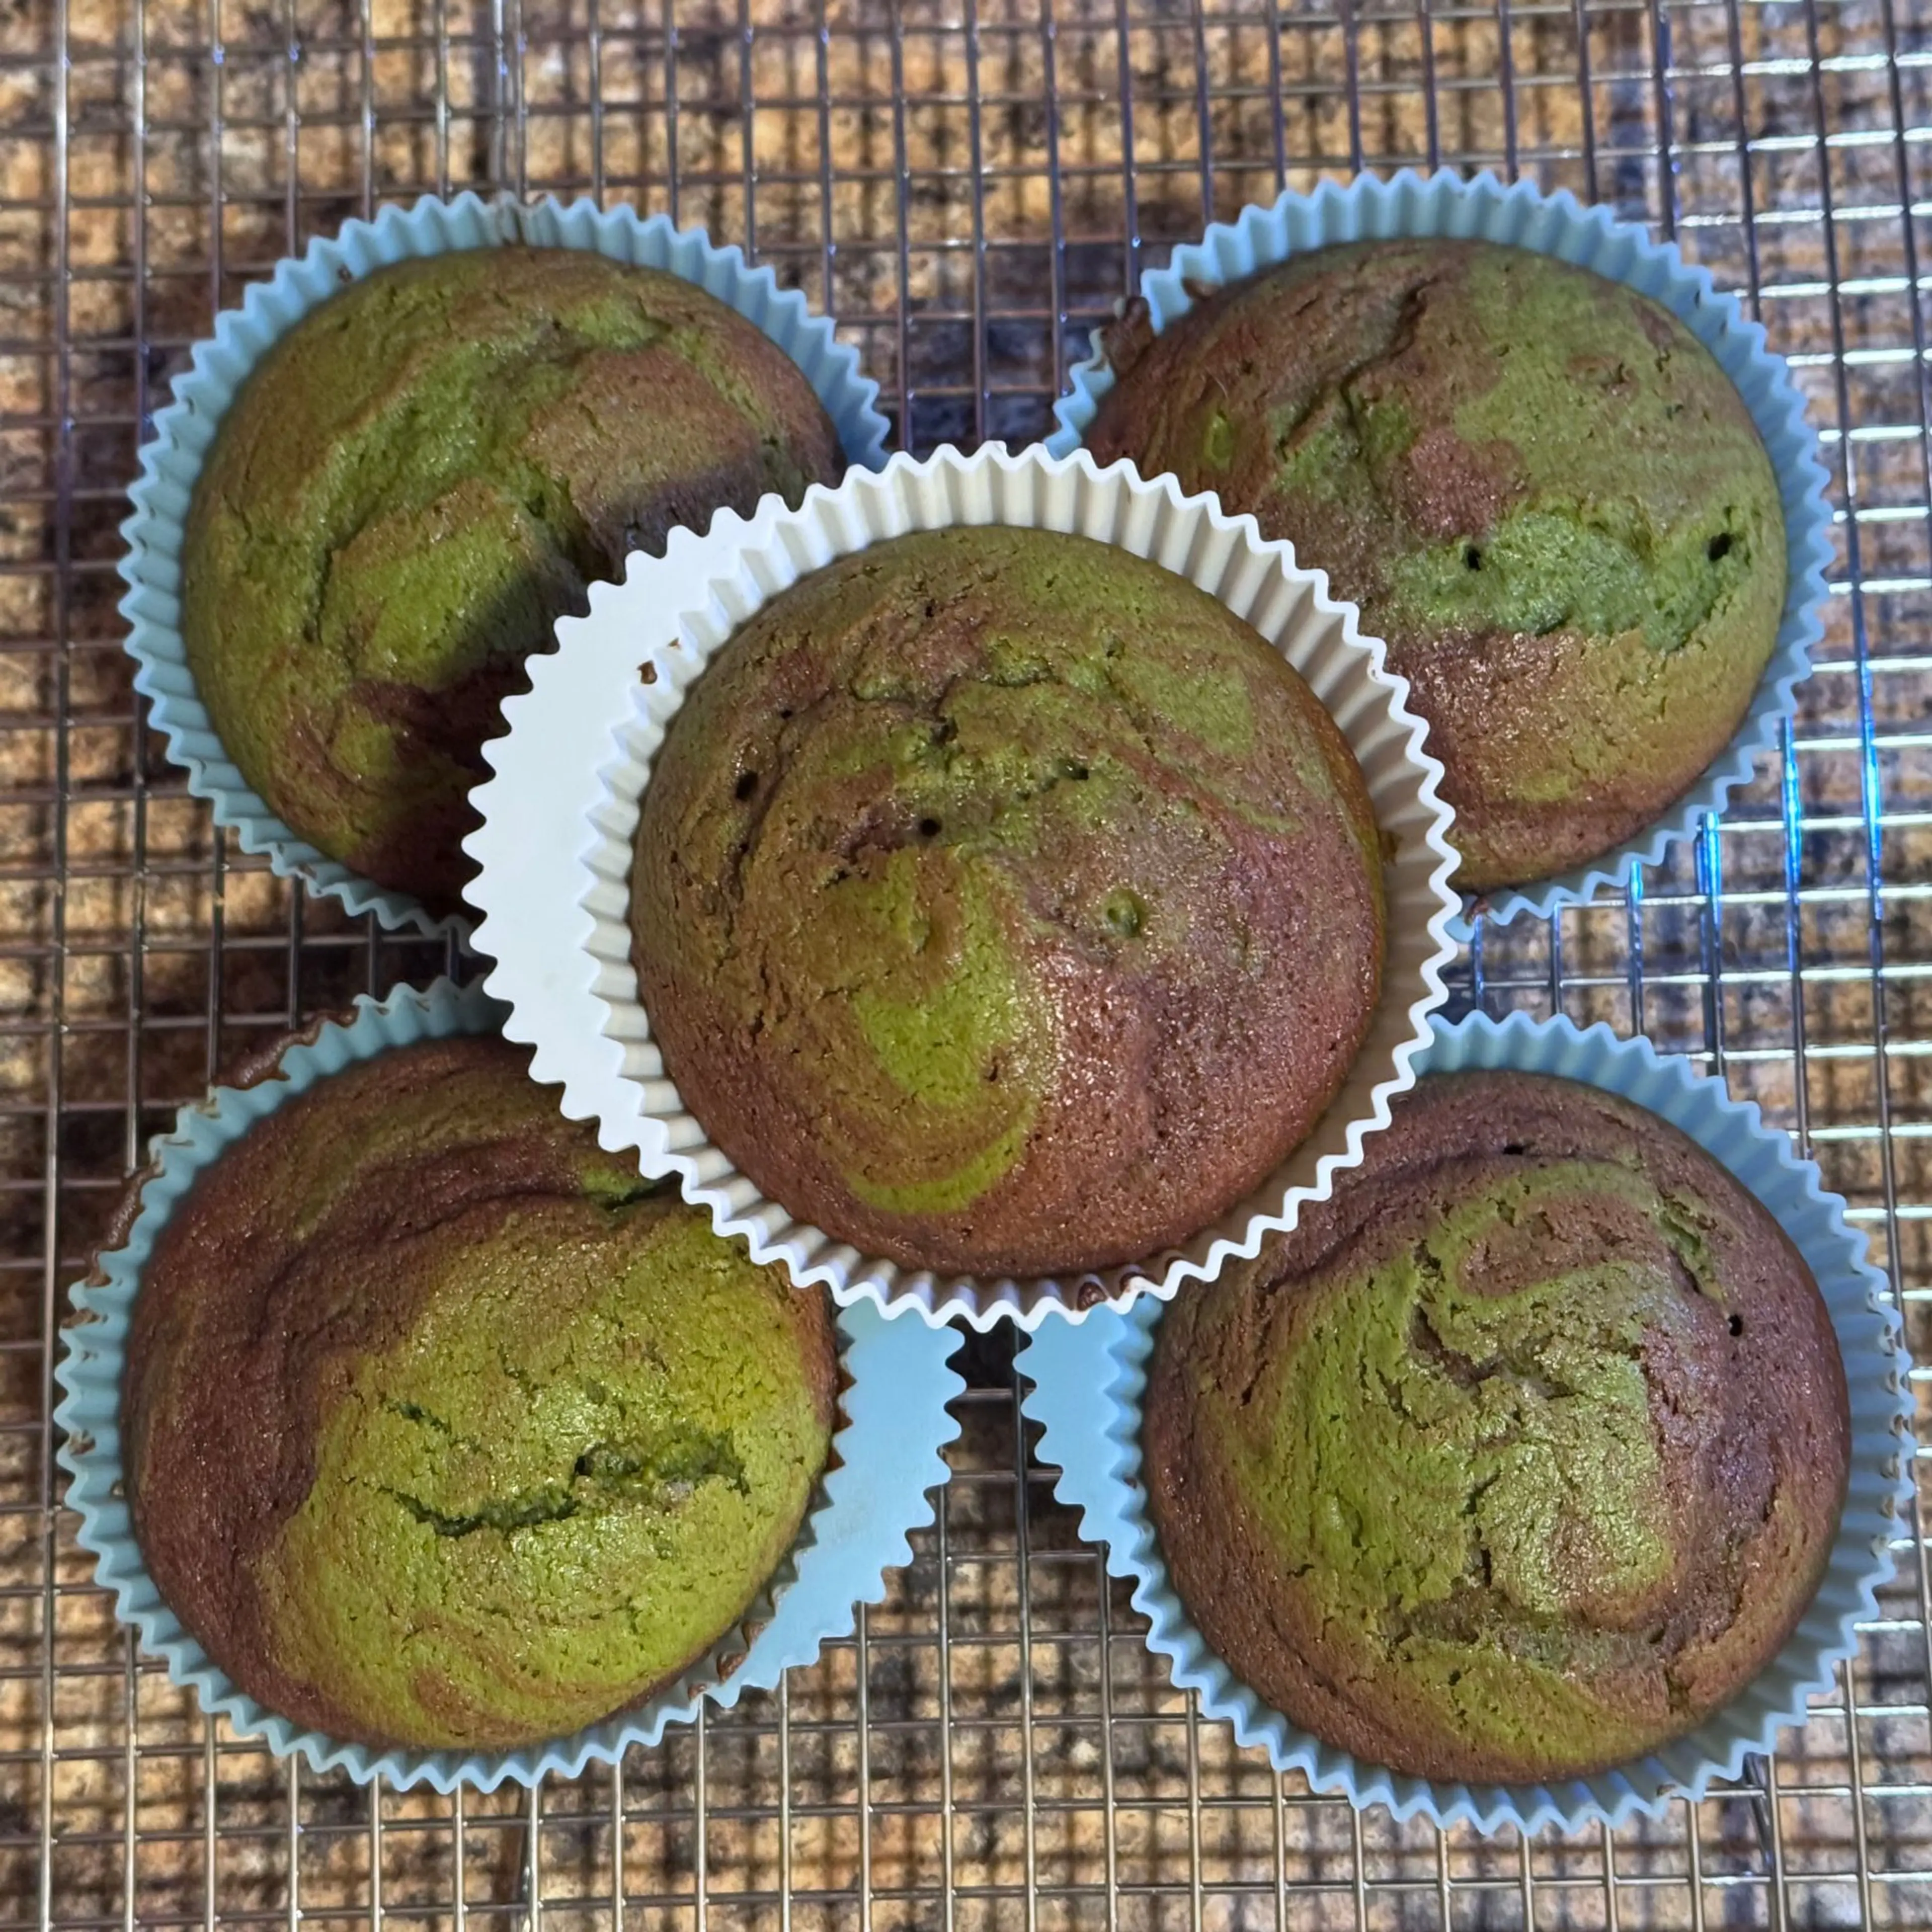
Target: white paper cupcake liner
{"x": 151, "y": 565}
{"x": 558, "y": 818}
{"x": 1087, "y": 1384}
{"x": 893, "y": 1424}
{"x": 1522, "y": 216}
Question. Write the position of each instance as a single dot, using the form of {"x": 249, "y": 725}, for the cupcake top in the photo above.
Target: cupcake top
{"x": 1519, "y": 1457}
{"x": 417, "y": 481}
{"x": 1003, "y": 904}
{"x": 445, "y": 1430}
{"x": 1543, "y": 490}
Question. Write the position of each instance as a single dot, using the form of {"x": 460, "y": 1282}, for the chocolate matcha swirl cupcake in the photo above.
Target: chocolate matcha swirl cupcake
{"x": 1518, "y": 1456}
{"x": 417, "y": 481}
{"x": 444, "y": 1430}
{"x": 1542, "y": 490}
{"x": 1003, "y": 904}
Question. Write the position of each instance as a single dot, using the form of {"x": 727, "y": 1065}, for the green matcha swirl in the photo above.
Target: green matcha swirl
{"x": 445, "y": 1431}
{"x": 1003, "y": 903}
{"x": 417, "y": 481}
{"x": 1541, "y": 488}
{"x": 1516, "y": 1460}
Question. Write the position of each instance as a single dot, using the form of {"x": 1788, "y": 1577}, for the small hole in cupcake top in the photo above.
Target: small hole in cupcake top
{"x": 1736, "y": 1325}
{"x": 748, "y": 783}
{"x": 1125, "y": 913}
{"x": 929, "y": 828}
{"x": 1473, "y": 557}
{"x": 1719, "y": 547}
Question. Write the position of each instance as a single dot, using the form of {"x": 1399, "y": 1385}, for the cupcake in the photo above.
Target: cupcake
{"x": 1541, "y": 489}
{"x": 1004, "y": 905}
{"x": 417, "y": 481}
{"x": 442, "y": 1429}
{"x": 1519, "y": 1457}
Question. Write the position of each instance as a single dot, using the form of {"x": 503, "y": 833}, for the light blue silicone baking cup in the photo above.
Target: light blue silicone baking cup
{"x": 1483, "y": 209}
{"x": 1088, "y": 1380}
{"x": 151, "y": 565}
{"x": 893, "y": 1424}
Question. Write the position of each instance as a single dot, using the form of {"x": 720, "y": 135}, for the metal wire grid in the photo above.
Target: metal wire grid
{"x": 966, "y": 188}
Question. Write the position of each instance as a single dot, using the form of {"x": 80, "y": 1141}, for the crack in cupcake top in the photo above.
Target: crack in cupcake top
{"x": 444, "y": 1430}
{"x": 1518, "y": 1456}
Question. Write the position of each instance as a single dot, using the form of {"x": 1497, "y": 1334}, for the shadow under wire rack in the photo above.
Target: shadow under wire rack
{"x": 966, "y": 186}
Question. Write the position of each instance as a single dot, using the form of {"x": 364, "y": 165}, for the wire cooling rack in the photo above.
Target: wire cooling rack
{"x": 967, "y": 190}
